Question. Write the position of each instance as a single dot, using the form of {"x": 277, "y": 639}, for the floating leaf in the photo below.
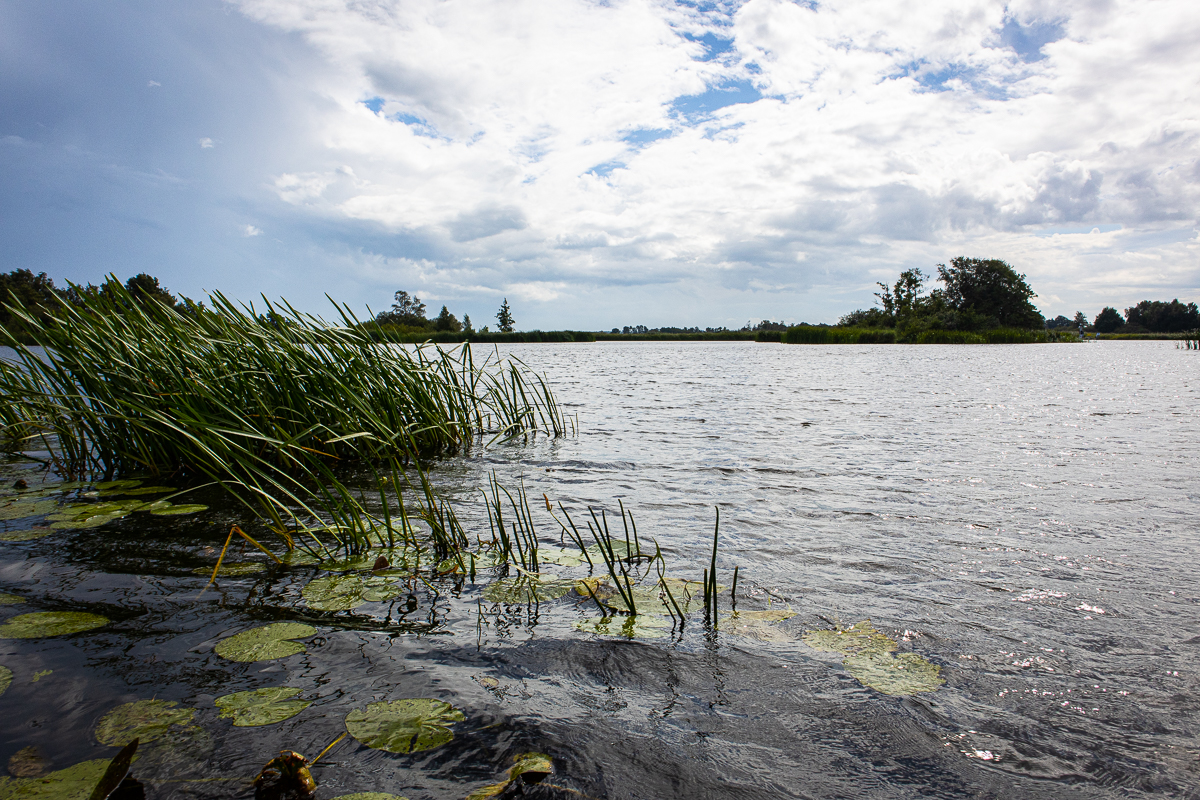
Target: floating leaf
{"x": 344, "y": 592}
{"x": 557, "y": 555}
{"x": 22, "y": 510}
{"x": 145, "y": 720}
{"x": 110, "y": 485}
{"x": 369, "y": 796}
{"x": 641, "y": 626}
{"x": 766, "y": 615}
{"x": 525, "y": 589}
{"x": 530, "y": 768}
{"x": 174, "y": 511}
{"x": 27, "y": 763}
{"x": 756, "y": 625}
{"x": 139, "y": 491}
{"x": 404, "y": 726}
{"x": 232, "y": 569}
{"x": 261, "y": 706}
{"x": 25, "y": 536}
{"x": 49, "y": 623}
{"x": 5, "y": 679}
{"x": 7, "y": 599}
{"x": 870, "y": 659}
{"x": 266, "y": 643}
{"x": 72, "y": 783}
{"x": 299, "y": 558}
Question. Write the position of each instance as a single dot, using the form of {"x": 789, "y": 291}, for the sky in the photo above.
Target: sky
{"x": 602, "y": 163}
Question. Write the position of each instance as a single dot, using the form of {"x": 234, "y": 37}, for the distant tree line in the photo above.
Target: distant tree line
{"x": 407, "y": 315}
{"x": 1149, "y": 316}
{"x": 42, "y": 299}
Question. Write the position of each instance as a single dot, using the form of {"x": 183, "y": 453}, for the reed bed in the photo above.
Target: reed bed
{"x": 273, "y": 406}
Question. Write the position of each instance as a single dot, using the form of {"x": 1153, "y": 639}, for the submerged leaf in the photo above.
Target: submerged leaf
{"x": 766, "y": 615}
{"x": 174, "y": 511}
{"x": 7, "y": 599}
{"x": 72, "y": 783}
{"x": 369, "y": 796}
{"x": 145, "y": 720}
{"x": 404, "y": 726}
{"x": 344, "y": 592}
{"x": 525, "y": 589}
{"x": 25, "y": 536}
{"x": 49, "y": 623}
{"x": 232, "y": 569}
{"x": 13, "y": 511}
{"x": 27, "y": 763}
{"x": 5, "y": 678}
{"x": 266, "y": 643}
{"x": 261, "y": 706}
{"x": 559, "y": 556}
{"x": 641, "y": 626}
{"x": 870, "y": 659}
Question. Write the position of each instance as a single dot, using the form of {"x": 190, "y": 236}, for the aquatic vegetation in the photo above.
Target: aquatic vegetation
{"x": 49, "y": 623}
{"x": 369, "y": 796}
{"x": 527, "y": 589}
{"x": 266, "y": 643}
{"x": 757, "y": 625}
{"x": 117, "y": 769}
{"x": 641, "y": 626}
{"x": 145, "y": 720}
{"x": 871, "y": 659}
{"x": 6, "y": 677}
{"x": 344, "y": 592}
{"x": 73, "y": 783}
{"x": 527, "y": 769}
{"x": 404, "y": 726}
{"x": 261, "y": 706}
{"x": 27, "y": 763}
{"x": 290, "y": 774}
{"x": 7, "y": 599}
{"x": 234, "y": 569}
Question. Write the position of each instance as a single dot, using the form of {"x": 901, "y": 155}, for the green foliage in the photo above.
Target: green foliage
{"x": 1108, "y": 320}
{"x": 261, "y": 706}
{"x": 991, "y": 289}
{"x": 145, "y": 720}
{"x": 407, "y": 312}
{"x": 445, "y": 321}
{"x": 404, "y": 726}
{"x": 266, "y": 643}
{"x": 867, "y": 318}
{"x": 40, "y": 624}
{"x": 815, "y": 334}
{"x": 504, "y": 318}
{"x": 1157, "y": 317}
{"x": 72, "y": 783}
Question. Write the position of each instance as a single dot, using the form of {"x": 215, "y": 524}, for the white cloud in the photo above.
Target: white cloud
{"x": 250, "y": 230}
{"x": 206, "y": 143}
{"x": 888, "y": 134}
{"x": 152, "y": 84}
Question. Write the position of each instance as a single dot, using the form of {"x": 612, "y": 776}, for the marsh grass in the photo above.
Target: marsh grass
{"x": 274, "y": 407}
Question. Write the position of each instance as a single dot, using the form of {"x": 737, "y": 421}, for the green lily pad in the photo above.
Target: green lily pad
{"x": 757, "y": 625}
{"x": 620, "y": 550}
{"x": 641, "y": 626}
{"x": 5, "y": 679}
{"x": 141, "y": 490}
{"x": 404, "y": 726}
{"x": 232, "y": 569}
{"x": 49, "y": 623}
{"x": 7, "y": 599}
{"x": 369, "y": 796}
{"x": 766, "y": 615}
{"x": 266, "y": 643}
{"x": 22, "y": 510}
{"x": 261, "y": 706}
{"x": 871, "y": 659}
{"x": 145, "y": 720}
{"x": 110, "y": 485}
{"x": 525, "y": 589}
{"x": 559, "y": 556}
{"x": 72, "y": 783}
{"x": 299, "y": 558}
{"x": 529, "y": 768}
{"x": 175, "y": 511}
{"x": 344, "y": 592}
{"x": 25, "y": 536}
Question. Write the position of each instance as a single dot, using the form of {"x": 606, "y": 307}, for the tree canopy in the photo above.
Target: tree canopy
{"x": 504, "y": 318}
{"x": 992, "y": 289}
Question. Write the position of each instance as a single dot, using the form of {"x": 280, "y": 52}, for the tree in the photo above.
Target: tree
{"x": 1108, "y": 320}
{"x": 867, "y": 318}
{"x": 990, "y": 288}
{"x": 445, "y": 321}
{"x": 35, "y": 292}
{"x": 1158, "y": 317}
{"x": 467, "y": 323}
{"x": 145, "y": 287}
{"x": 504, "y": 317}
{"x": 1059, "y": 323}
{"x": 407, "y": 310}
{"x": 900, "y": 300}
{"x": 1081, "y": 320}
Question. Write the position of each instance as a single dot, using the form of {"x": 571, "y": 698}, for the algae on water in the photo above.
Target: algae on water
{"x": 870, "y": 658}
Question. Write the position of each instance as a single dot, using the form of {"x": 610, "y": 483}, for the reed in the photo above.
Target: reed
{"x": 272, "y": 406}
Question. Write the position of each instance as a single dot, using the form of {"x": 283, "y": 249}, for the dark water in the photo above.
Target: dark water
{"x": 1021, "y": 516}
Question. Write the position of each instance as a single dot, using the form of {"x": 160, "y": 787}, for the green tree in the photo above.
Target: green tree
{"x": 467, "y": 323}
{"x": 1159, "y": 317}
{"x": 1108, "y": 320}
{"x": 35, "y": 292}
{"x": 408, "y": 310}
{"x": 504, "y": 317}
{"x": 1081, "y": 320}
{"x": 445, "y": 321}
{"x": 145, "y": 287}
{"x": 989, "y": 288}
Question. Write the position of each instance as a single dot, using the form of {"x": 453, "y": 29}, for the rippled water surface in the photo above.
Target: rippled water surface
{"x": 1021, "y": 516}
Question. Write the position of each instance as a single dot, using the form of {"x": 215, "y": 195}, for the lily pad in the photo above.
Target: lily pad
{"x": 344, "y": 592}
{"x": 25, "y": 535}
{"x": 105, "y": 486}
{"x": 7, "y": 599}
{"x": 139, "y": 491}
{"x": 5, "y": 679}
{"x": 232, "y": 569}
{"x": 145, "y": 720}
{"x": 22, "y": 510}
{"x": 871, "y": 659}
{"x": 266, "y": 643}
{"x": 261, "y": 706}
{"x": 404, "y": 726}
{"x": 525, "y": 589}
{"x": 559, "y": 556}
{"x": 529, "y": 768}
{"x": 641, "y": 626}
{"x": 175, "y": 511}
{"x": 72, "y": 783}
{"x": 49, "y": 623}
{"x": 757, "y": 625}
{"x": 766, "y": 615}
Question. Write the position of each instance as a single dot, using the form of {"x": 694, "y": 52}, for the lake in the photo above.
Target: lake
{"x": 1022, "y": 517}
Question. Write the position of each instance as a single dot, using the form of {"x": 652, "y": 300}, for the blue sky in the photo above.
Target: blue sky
{"x": 602, "y": 164}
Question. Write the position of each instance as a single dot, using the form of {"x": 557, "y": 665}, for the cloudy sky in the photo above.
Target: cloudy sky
{"x": 603, "y": 163}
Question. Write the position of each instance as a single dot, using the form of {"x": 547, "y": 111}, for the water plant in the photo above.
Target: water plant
{"x": 261, "y": 706}
{"x": 404, "y": 726}
{"x": 266, "y": 643}
{"x": 872, "y": 660}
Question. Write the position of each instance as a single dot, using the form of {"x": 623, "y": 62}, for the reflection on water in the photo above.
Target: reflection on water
{"x": 1018, "y": 516}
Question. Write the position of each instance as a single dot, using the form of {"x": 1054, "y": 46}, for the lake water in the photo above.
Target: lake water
{"x": 1021, "y": 516}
